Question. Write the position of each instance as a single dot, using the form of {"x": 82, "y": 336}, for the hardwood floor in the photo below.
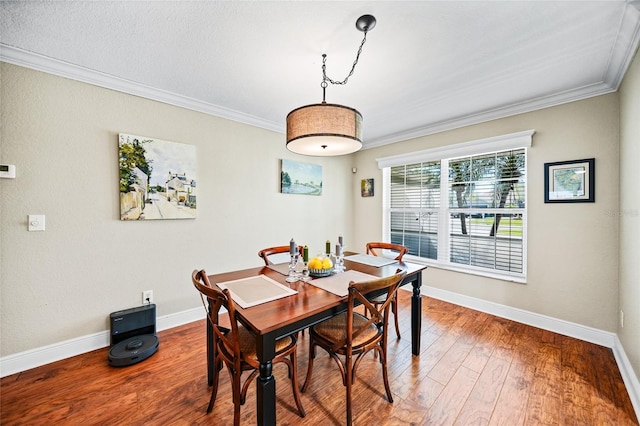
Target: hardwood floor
{"x": 473, "y": 369}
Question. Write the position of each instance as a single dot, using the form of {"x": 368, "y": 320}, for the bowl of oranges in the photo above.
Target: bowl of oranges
{"x": 320, "y": 266}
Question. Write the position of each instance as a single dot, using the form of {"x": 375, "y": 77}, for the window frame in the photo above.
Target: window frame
{"x": 520, "y": 140}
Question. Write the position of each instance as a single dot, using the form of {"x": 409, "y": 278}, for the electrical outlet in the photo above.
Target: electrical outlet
{"x": 147, "y": 297}
{"x": 621, "y": 319}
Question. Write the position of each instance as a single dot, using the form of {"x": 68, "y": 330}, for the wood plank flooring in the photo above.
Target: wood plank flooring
{"x": 474, "y": 369}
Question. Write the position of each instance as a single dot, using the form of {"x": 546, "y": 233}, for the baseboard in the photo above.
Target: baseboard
{"x": 628, "y": 375}
{"x": 180, "y": 318}
{"x": 26, "y": 360}
{"x": 32, "y": 358}
{"x": 588, "y": 334}
{"x": 16, "y": 363}
{"x": 566, "y": 328}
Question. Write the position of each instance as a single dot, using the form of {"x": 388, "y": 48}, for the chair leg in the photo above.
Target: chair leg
{"x": 349, "y": 384}
{"x": 385, "y": 376}
{"x": 394, "y": 308}
{"x": 312, "y": 355}
{"x": 237, "y": 396}
{"x": 214, "y": 393}
{"x": 294, "y": 384}
{"x": 217, "y": 364}
{"x": 236, "y": 414}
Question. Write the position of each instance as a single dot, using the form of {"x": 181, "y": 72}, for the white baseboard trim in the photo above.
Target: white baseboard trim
{"x": 628, "y": 375}
{"x": 21, "y": 361}
{"x": 32, "y": 358}
{"x": 566, "y": 328}
{"x": 180, "y": 318}
{"x": 582, "y": 332}
{"x": 26, "y": 360}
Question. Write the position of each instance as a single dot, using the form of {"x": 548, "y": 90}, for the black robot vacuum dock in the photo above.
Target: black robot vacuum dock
{"x": 133, "y": 335}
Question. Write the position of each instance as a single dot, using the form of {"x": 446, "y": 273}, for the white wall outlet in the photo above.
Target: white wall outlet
{"x": 36, "y": 222}
{"x": 621, "y": 319}
{"x": 147, "y": 297}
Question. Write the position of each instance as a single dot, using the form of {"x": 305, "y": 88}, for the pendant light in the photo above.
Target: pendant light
{"x": 328, "y": 129}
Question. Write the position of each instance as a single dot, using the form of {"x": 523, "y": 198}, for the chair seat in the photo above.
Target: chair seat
{"x": 248, "y": 344}
{"x": 335, "y": 329}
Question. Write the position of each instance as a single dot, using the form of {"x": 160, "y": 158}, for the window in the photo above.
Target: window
{"x": 461, "y": 207}
{"x": 415, "y": 207}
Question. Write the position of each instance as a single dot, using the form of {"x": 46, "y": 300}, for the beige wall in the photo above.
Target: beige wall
{"x": 572, "y": 248}
{"x": 62, "y": 137}
{"x": 629, "y": 213}
{"x": 63, "y": 283}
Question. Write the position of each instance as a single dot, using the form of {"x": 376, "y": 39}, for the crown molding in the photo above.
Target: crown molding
{"x": 494, "y": 114}
{"x": 50, "y": 65}
{"x": 16, "y": 56}
{"x": 622, "y": 53}
{"x": 626, "y": 45}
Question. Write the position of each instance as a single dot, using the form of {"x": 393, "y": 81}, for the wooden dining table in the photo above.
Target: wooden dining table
{"x": 276, "y": 319}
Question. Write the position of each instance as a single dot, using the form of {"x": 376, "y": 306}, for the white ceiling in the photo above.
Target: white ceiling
{"x": 426, "y": 67}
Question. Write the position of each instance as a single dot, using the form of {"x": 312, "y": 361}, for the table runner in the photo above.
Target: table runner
{"x": 282, "y": 268}
{"x": 367, "y": 259}
{"x": 338, "y": 284}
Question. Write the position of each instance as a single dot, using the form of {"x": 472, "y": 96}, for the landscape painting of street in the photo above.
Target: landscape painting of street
{"x": 300, "y": 178}
{"x": 157, "y": 179}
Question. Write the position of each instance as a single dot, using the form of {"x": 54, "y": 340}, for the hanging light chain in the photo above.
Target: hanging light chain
{"x": 324, "y": 67}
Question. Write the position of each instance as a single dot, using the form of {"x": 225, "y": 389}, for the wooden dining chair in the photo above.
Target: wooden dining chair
{"x": 397, "y": 250}
{"x": 348, "y": 336}
{"x": 235, "y": 347}
{"x": 266, "y": 253}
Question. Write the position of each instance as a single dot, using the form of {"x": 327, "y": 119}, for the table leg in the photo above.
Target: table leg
{"x": 266, "y": 395}
{"x": 416, "y": 315}
{"x": 266, "y": 383}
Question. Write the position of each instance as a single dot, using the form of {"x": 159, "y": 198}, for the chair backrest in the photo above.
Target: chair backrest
{"x": 217, "y": 299}
{"x": 398, "y": 249}
{"x": 265, "y": 253}
{"x": 378, "y": 315}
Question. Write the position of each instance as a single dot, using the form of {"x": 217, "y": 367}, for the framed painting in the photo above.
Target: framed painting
{"x": 366, "y": 187}
{"x": 300, "y": 178}
{"x": 157, "y": 179}
{"x": 570, "y": 181}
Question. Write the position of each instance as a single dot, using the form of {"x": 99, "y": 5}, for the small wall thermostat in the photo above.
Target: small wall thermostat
{"x": 7, "y": 171}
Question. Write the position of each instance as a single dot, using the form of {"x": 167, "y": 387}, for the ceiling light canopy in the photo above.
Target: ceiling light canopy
{"x": 328, "y": 129}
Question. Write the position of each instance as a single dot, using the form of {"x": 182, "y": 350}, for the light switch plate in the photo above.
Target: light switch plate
{"x": 36, "y": 222}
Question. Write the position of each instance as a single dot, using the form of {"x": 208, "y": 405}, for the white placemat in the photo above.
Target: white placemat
{"x": 338, "y": 284}
{"x": 367, "y": 259}
{"x": 282, "y": 268}
{"x": 253, "y": 291}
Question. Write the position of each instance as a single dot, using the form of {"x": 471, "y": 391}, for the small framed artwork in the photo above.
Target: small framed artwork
{"x": 366, "y": 187}
{"x": 570, "y": 181}
{"x": 300, "y": 178}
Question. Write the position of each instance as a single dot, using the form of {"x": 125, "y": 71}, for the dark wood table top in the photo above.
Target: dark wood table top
{"x": 309, "y": 300}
